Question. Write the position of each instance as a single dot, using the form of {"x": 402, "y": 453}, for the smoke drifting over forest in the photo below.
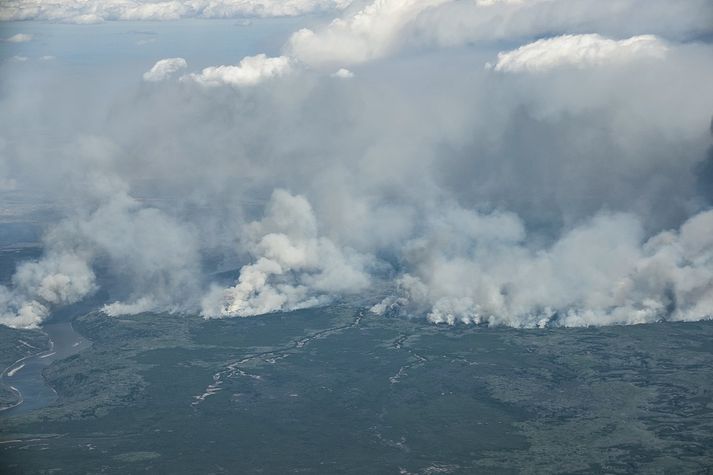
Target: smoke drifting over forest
{"x": 525, "y": 163}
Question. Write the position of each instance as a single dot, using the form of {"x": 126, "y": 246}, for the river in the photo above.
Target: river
{"x": 25, "y": 376}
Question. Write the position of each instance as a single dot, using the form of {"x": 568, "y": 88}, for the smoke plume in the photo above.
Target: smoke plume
{"x": 536, "y": 163}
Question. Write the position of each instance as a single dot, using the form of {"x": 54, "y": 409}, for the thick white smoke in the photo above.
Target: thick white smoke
{"x": 60, "y": 278}
{"x": 155, "y": 257}
{"x": 294, "y": 266}
{"x": 479, "y": 269}
{"x": 560, "y": 186}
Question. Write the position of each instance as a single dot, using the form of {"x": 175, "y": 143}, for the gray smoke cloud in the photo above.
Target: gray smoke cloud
{"x": 487, "y": 175}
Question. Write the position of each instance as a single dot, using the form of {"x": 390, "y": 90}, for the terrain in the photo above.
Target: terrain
{"x": 337, "y": 390}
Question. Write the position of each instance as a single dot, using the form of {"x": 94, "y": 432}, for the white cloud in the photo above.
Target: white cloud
{"x": 164, "y": 69}
{"x": 385, "y": 26}
{"x": 19, "y": 38}
{"x": 367, "y": 34}
{"x": 578, "y": 51}
{"x": 251, "y": 71}
{"x": 343, "y": 73}
{"x": 96, "y": 11}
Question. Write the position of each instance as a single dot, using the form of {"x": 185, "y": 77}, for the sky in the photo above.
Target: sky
{"x": 529, "y": 163}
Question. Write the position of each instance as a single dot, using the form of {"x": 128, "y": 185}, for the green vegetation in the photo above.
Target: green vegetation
{"x": 334, "y": 390}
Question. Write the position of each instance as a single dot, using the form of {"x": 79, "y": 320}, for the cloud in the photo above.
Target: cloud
{"x": 19, "y": 38}
{"x": 294, "y": 266}
{"x": 384, "y": 27}
{"x": 96, "y": 11}
{"x": 343, "y": 73}
{"x": 251, "y": 71}
{"x": 579, "y": 51}
{"x": 164, "y": 69}
{"x": 370, "y": 33}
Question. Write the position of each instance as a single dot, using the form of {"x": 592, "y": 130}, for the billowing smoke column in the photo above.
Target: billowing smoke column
{"x": 59, "y": 278}
{"x": 498, "y": 162}
{"x": 294, "y": 267}
{"x": 155, "y": 256}
{"x": 602, "y": 272}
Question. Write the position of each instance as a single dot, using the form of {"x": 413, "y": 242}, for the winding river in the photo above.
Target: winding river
{"x": 25, "y": 376}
